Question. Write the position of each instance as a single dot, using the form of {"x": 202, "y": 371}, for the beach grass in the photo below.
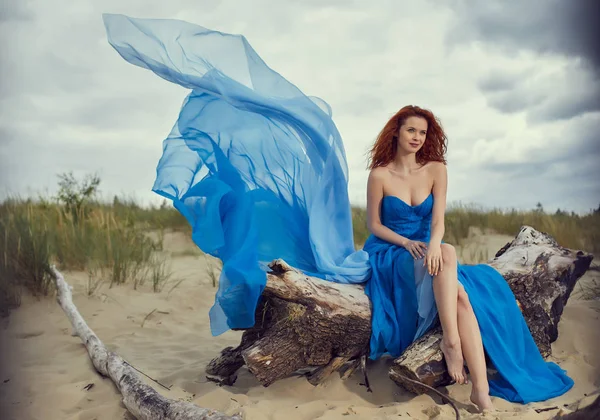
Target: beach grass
{"x": 74, "y": 231}
{"x": 110, "y": 245}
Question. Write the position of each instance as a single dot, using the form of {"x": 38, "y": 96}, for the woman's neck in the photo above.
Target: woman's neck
{"x": 405, "y": 163}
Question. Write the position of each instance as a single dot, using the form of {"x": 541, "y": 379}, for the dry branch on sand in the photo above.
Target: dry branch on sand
{"x": 319, "y": 327}
{"x": 140, "y": 399}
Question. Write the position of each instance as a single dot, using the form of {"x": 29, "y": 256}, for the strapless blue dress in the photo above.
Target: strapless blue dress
{"x": 403, "y": 306}
{"x": 259, "y": 171}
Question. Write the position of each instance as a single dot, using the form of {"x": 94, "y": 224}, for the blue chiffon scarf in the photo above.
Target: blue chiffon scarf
{"x": 257, "y": 168}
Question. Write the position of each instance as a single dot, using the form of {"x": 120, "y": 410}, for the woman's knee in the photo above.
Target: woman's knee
{"x": 448, "y": 253}
{"x": 463, "y": 299}
{"x": 449, "y": 261}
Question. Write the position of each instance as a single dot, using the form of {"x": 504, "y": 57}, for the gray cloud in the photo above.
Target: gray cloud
{"x": 515, "y": 100}
{"x": 568, "y": 158}
{"x": 497, "y": 81}
{"x": 546, "y": 27}
{"x": 550, "y": 95}
{"x": 569, "y": 28}
{"x": 570, "y": 105}
{"x": 14, "y": 10}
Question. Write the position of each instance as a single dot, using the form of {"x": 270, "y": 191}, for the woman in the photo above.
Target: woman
{"x": 259, "y": 171}
{"x": 415, "y": 275}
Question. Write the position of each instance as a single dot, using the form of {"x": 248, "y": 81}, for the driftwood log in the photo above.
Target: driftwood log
{"x": 302, "y": 322}
{"x": 315, "y": 327}
{"x": 142, "y": 401}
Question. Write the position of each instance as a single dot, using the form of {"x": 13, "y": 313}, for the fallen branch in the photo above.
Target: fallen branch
{"x": 542, "y": 410}
{"x": 147, "y": 316}
{"x": 443, "y": 396}
{"x": 140, "y": 399}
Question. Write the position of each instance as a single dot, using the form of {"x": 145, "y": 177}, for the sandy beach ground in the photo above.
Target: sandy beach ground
{"x": 46, "y": 372}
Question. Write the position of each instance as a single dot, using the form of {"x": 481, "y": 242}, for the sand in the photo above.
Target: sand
{"x": 46, "y": 372}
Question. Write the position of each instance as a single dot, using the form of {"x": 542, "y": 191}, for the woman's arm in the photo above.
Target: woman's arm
{"x": 374, "y": 197}
{"x": 440, "y": 187}
{"x": 433, "y": 259}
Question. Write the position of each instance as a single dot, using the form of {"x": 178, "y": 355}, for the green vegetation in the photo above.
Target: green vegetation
{"x": 74, "y": 231}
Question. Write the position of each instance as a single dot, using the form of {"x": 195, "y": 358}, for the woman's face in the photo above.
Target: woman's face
{"x": 412, "y": 134}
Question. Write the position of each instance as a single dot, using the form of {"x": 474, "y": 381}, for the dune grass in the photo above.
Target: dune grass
{"x": 581, "y": 232}
{"x": 75, "y": 232}
{"x": 107, "y": 244}
{"x": 24, "y": 256}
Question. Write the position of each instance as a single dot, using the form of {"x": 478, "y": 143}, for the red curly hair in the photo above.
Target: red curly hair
{"x": 386, "y": 145}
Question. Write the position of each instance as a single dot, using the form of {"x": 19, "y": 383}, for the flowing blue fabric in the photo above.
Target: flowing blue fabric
{"x": 403, "y": 303}
{"x": 257, "y": 167}
{"x": 259, "y": 171}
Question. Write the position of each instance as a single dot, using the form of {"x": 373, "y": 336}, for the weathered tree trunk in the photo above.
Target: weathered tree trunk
{"x": 305, "y": 323}
{"x": 302, "y": 322}
{"x": 140, "y": 399}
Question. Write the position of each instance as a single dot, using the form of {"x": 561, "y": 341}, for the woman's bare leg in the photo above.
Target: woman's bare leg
{"x": 472, "y": 348}
{"x": 445, "y": 289}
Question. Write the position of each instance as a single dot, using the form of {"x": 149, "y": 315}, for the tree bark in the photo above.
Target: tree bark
{"x": 309, "y": 324}
{"x": 302, "y": 323}
{"x": 142, "y": 401}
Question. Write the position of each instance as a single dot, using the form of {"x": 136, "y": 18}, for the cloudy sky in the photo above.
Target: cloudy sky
{"x": 515, "y": 83}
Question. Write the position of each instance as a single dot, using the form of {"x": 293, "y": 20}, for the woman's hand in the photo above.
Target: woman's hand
{"x": 433, "y": 259}
{"x": 416, "y": 248}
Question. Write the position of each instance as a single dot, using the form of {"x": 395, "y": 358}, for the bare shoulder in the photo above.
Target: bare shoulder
{"x": 436, "y": 166}
{"x": 436, "y": 169}
{"x": 379, "y": 173}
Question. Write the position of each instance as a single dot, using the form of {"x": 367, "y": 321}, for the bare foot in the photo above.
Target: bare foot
{"x": 454, "y": 360}
{"x": 482, "y": 400}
